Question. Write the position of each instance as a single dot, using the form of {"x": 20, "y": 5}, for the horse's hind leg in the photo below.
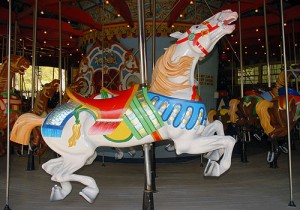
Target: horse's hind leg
{"x": 65, "y": 175}
{"x": 91, "y": 159}
{"x": 60, "y": 192}
{"x": 51, "y": 166}
{"x": 90, "y": 192}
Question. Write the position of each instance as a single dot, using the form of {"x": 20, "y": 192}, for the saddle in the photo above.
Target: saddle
{"x": 110, "y": 108}
{"x": 15, "y": 103}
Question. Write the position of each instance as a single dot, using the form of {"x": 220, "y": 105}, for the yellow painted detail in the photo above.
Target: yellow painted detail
{"x": 120, "y": 133}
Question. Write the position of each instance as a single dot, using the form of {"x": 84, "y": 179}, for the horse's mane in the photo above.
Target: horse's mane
{"x": 165, "y": 68}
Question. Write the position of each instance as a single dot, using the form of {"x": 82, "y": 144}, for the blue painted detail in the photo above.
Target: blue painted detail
{"x": 281, "y": 92}
{"x": 267, "y": 96}
{"x": 56, "y": 120}
{"x": 185, "y": 114}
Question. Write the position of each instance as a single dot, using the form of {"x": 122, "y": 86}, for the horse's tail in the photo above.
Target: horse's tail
{"x": 233, "y": 103}
{"x": 262, "y": 111}
{"x": 23, "y": 127}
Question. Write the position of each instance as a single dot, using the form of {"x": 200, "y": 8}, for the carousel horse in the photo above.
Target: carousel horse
{"x": 138, "y": 116}
{"x": 273, "y": 119}
{"x": 75, "y": 87}
{"x": 19, "y": 64}
{"x": 243, "y": 114}
{"x": 40, "y": 108}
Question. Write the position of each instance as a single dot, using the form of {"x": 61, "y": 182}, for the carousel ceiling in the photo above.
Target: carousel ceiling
{"x": 86, "y": 21}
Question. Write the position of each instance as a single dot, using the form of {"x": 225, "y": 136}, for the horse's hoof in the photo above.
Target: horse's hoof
{"x": 132, "y": 153}
{"x": 170, "y": 148}
{"x": 212, "y": 169}
{"x": 56, "y": 193}
{"x": 119, "y": 155}
{"x": 89, "y": 194}
{"x": 270, "y": 157}
{"x": 284, "y": 149}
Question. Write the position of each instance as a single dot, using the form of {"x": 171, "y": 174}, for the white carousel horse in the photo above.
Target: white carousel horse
{"x": 136, "y": 117}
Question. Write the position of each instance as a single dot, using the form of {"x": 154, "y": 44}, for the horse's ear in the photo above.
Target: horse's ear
{"x": 176, "y": 34}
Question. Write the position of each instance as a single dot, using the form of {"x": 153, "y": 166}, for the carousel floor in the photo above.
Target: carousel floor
{"x": 251, "y": 185}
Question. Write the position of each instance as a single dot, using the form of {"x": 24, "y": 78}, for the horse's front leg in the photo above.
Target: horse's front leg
{"x": 214, "y": 128}
{"x": 216, "y": 167}
{"x": 200, "y": 145}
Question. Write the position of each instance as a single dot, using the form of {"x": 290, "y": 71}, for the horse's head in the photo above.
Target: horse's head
{"x": 203, "y": 37}
{"x": 19, "y": 64}
{"x": 50, "y": 88}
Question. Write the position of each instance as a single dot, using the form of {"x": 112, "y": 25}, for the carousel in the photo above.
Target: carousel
{"x": 126, "y": 103}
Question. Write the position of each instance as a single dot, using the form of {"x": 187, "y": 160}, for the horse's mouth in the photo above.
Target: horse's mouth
{"x": 228, "y": 22}
{"x": 22, "y": 69}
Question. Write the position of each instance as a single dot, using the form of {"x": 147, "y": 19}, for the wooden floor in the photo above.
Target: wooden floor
{"x": 181, "y": 186}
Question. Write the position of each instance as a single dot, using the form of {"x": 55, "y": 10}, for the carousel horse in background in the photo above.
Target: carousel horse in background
{"x": 221, "y": 115}
{"x": 243, "y": 116}
{"x": 75, "y": 87}
{"x": 243, "y": 113}
{"x": 273, "y": 119}
{"x": 19, "y": 64}
{"x": 138, "y": 116}
{"x": 40, "y": 108}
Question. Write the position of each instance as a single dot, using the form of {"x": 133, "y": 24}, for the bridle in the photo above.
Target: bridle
{"x": 195, "y": 36}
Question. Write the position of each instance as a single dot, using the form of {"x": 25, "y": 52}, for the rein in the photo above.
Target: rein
{"x": 195, "y": 36}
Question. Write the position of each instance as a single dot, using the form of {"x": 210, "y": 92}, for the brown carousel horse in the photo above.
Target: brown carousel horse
{"x": 75, "y": 86}
{"x": 273, "y": 119}
{"x": 18, "y": 64}
{"x": 243, "y": 114}
{"x": 40, "y": 108}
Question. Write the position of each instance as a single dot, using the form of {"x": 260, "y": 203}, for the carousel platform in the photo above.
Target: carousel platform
{"x": 246, "y": 186}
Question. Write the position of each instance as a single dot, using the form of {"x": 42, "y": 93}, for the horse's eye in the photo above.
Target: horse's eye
{"x": 197, "y": 26}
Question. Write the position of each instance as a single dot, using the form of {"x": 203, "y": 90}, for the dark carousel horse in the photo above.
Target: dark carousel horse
{"x": 19, "y": 64}
{"x": 244, "y": 118}
{"x": 273, "y": 119}
{"x": 41, "y": 108}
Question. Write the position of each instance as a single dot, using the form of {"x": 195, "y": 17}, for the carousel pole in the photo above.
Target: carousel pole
{"x": 291, "y": 203}
{"x": 102, "y": 45}
{"x": 294, "y": 44}
{"x": 153, "y": 171}
{"x": 34, "y": 53}
{"x": 8, "y": 113}
{"x": 241, "y": 49}
{"x": 148, "y": 203}
{"x": 30, "y": 163}
{"x": 244, "y": 140}
{"x": 295, "y": 57}
{"x": 14, "y": 53}
{"x": 3, "y": 43}
{"x": 267, "y": 45}
{"x": 60, "y": 52}
{"x": 160, "y": 24}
